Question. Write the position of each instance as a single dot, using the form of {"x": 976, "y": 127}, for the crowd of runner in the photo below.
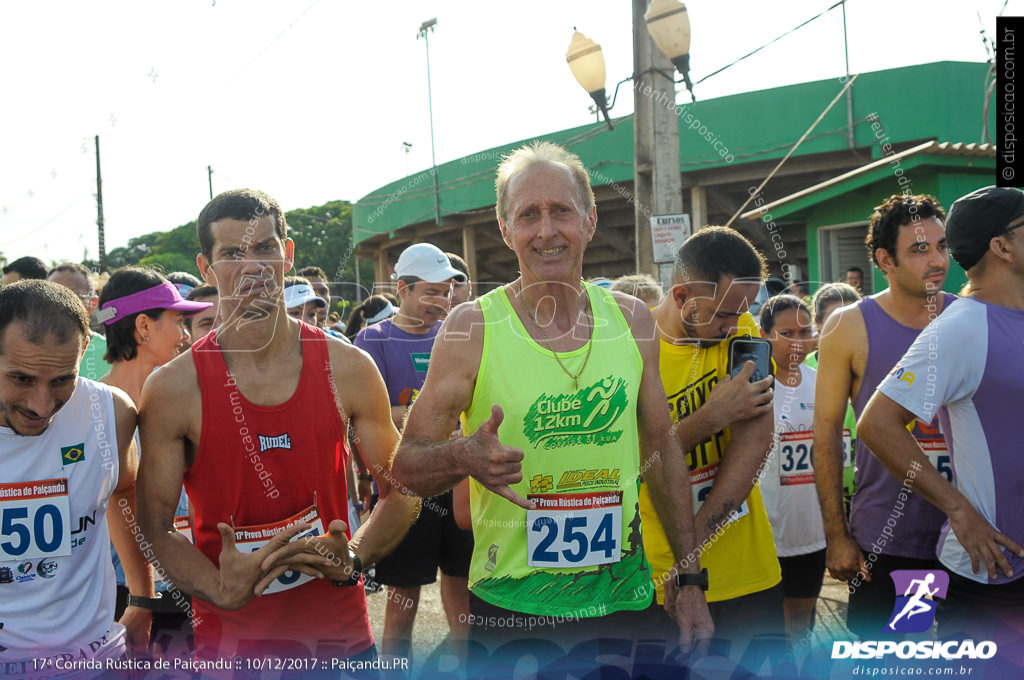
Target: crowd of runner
{"x": 517, "y": 442}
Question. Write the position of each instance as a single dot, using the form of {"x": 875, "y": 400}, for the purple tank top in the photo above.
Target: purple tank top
{"x": 880, "y": 520}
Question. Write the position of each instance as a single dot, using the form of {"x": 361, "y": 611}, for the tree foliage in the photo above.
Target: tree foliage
{"x": 322, "y": 236}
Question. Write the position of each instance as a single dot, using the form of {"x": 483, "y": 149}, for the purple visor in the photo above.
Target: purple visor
{"x": 164, "y": 296}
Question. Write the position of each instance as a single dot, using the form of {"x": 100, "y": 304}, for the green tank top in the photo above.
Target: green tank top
{"x": 580, "y": 553}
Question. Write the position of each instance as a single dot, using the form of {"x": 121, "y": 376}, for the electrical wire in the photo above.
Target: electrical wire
{"x": 750, "y": 54}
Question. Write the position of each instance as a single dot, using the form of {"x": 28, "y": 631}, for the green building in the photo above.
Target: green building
{"x": 918, "y": 129}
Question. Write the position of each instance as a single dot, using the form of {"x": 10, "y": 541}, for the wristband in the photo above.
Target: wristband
{"x": 150, "y": 603}
{"x": 357, "y": 567}
{"x": 366, "y": 477}
{"x": 700, "y": 579}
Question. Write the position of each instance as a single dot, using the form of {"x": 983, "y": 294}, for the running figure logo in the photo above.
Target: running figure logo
{"x": 914, "y": 611}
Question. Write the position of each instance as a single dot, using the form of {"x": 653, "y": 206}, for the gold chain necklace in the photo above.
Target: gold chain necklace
{"x": 549, "y": 346}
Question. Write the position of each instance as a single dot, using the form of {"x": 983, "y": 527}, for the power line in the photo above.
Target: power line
{"x": 62, "y": 211}
{"x": 750, "y": 54}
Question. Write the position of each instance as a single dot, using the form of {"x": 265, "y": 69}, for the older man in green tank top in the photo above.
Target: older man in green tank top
{"x": 558, "y": 389}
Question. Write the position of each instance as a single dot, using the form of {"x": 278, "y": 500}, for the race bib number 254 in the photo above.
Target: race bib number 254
{"x": 574, "y": 530}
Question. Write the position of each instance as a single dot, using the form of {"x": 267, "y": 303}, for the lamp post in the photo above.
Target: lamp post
{"x": 661, "y": 45}
{"x": 587, "y": 65}
{"x": 426, "y": 28}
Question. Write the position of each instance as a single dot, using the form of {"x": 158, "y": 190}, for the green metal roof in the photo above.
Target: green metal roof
{"x": 940, "y": 100}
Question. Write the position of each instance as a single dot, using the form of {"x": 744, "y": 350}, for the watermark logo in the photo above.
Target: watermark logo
{"x": 914, "y": 611}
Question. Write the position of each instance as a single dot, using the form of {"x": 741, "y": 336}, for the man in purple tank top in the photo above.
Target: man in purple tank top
{"x": 890, "y": 527}
{"x": 970, "y": 362}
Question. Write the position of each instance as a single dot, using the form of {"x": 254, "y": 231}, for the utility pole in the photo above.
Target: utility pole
{"x": 99, "y": 209}
{"x": 657, "y": 183}
{"x": 426, "y": 28}
{"x": 209, "y": 179}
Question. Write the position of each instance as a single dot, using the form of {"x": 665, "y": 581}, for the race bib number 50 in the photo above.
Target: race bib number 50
{"x": 35, "y": 520}
{"x": 574, "y": 530}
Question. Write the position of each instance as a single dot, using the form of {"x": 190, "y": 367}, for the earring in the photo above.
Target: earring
{"x": 145, "y": 339}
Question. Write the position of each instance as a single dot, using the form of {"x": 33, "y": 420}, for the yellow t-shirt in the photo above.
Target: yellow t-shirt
{"x": 742, "y": 560}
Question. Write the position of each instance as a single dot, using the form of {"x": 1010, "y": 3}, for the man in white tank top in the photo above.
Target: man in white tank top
{"x": 66, "y": 456}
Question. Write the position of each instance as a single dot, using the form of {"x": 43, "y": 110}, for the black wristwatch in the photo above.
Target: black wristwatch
{"x": 150, "y": 603}
{"x": 357, "y": 567}
{"x": 700, "y": 579}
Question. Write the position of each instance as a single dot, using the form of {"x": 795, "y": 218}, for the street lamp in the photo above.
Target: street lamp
{"x": 660, "y": 27}
{"x": 587, "y": 65}
{"x": 426, "y": 28}
{"x": 669, "y": 26}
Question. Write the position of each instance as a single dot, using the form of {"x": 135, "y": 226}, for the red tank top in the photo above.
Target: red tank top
{"x": 258, "y": 465}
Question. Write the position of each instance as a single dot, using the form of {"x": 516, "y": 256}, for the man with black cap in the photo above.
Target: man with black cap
{"x": 401, "y": 347}
{"x": 970, "y": 361}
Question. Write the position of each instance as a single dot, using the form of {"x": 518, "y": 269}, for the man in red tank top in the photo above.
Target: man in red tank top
{"x": 253, "y": 419}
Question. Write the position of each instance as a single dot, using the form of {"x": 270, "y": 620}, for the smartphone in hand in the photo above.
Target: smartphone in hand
{"x": 743, "y": 349}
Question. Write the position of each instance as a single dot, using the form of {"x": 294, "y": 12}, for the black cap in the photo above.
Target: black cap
{"x": 977, "y": 218}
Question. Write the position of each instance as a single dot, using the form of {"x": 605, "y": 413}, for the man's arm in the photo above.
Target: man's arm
{"x": 362, "y": 399}
{"x": 831, "y": 393}
{"x": 373, "y": 345}
{"x": 748, "y": 448}
{"x": 164, "y": 426}
{"x": 665, "y": 473}
{"x": 120, "y": 513}
{"x": 883, "y": 427}
{"x": 375, "y": 438}
{"x": 732, "y": 400}
{"x": 428, "y": 461}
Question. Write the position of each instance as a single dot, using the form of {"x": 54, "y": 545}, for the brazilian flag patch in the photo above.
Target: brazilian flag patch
{"x": 72, "y": 454}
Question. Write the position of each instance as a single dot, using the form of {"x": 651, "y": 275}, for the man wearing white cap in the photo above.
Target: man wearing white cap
{"x": 401, "y": 347}
{"x": 301, "y": 300}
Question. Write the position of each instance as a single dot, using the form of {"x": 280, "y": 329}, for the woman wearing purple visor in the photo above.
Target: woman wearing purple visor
{"x": 143, "y": 313}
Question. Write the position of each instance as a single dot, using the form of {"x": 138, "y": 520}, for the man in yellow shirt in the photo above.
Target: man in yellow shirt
{"x": 725, "y": 426}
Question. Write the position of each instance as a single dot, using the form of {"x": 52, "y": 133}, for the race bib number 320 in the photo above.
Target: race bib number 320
{"x": 35, "y": 520}
{"x": 574, "y": 530}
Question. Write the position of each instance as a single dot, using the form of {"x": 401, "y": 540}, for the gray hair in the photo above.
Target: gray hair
{"x": 531, "y": 154}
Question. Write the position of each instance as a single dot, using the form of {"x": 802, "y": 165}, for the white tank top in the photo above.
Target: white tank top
{"x": 56, "y": 580}
{"x": 787, "y": 478}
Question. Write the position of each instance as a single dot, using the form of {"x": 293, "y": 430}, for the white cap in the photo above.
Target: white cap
{"x": 300, "y": 294}
{"x": 426, "y": 262}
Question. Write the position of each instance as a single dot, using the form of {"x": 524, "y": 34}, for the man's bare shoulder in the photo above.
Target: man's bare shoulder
{"x": 176, "y": 378}
{"x": 464, "y": 323}
{"x": 123, "y": 404}
{"x": 347, "y": 357}
{"x": 844, "y": 329}
{"x": 631, "y": 307}
{"x": 636, "y": 314}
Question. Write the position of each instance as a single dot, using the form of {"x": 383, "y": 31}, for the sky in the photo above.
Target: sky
{"x": 311, "y": 100}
